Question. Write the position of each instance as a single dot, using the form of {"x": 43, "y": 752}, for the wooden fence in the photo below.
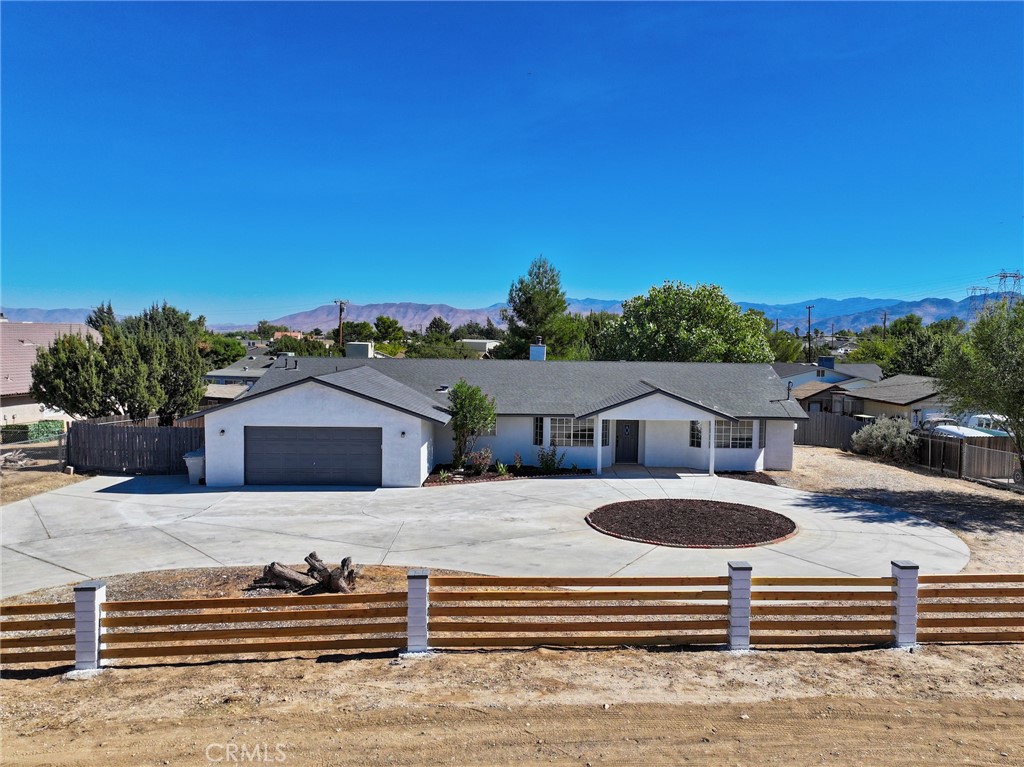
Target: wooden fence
{"x": 983, "y": 463}
{"x": 955, "y": 457}
{"x": 554, "y": 612}
{"x": 122, "y": 449}
{"x": 486, "y": 612}
{"x": 826, "y": 430}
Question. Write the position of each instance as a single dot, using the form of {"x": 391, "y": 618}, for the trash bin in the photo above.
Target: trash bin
{"x": 196, "y": 463}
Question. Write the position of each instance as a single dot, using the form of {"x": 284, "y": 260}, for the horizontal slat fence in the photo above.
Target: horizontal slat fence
{"x": 177, "y": 627}
{"x": 827, "y": 430}
{"x": 525, "y": 612}
{"x": 971, "y": 608}
{"x": 821, "y": 611}
{"x": 126, "y": 449}
{"x": 492, "y": 612}
{"x": 37, "y": 633}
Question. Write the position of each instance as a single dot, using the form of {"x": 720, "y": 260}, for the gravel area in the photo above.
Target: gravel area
{"x": 989, "y": 520}
{"x": 690, "y": 523}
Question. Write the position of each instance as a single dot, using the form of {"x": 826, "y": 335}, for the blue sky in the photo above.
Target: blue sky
{"x": 251, "y": 160}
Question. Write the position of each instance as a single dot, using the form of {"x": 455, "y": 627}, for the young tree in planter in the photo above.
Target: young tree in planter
{"x": 472, "y": 414}
{"x": 985, "y": 371}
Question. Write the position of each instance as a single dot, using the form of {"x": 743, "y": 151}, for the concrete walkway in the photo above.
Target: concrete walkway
{"x": 109, "y": 525}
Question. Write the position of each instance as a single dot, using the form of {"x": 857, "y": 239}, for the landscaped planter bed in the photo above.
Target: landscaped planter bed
{"x": 491, "y": 475}
{"x": 693, "y": 523}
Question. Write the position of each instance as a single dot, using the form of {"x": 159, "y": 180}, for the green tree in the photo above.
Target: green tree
{"x": 387, "y": 330}
{"x": 128, "y": 386}
{"x": 785, "y": 347}
{"x": 678, "y": 323}
{"x": 219, "y": 351}
{"x": 873, "y": 349}
{"x": 536, "y": 307}
{"x": 439, "y": 326}
{"x": 102, "y": 316}
{"x": 181, "y": 380}
{"x": 436, "y": 346}
{"x": 471, "y": 329}
{"x": 473, "y": 413}
{"x": 984, "y": 372}
{"x": 354, "y": 331}
{"x": 300, "y": 347}
{"x": 266, "y": 331}
{"x": 316, "y": 332}
{"x": 69, "y": 375}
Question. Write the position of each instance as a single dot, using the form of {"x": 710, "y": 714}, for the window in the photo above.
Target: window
{"x": 734, "y": 435}
{"x": 606, "y": 429}
{"x": 572, "y": 432}
{"x": 695, "y": 435}
{"x": 491, "y": 432}
{"x": 820, "y": 373}
{"x": 538, "y": 431}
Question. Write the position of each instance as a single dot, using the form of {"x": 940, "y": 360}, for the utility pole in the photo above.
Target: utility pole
{"x": 341, "y": 315}
{"x": 885, "y": 322}
{"x": 833, "y": 336}
{"x": 776, "y": 324}
{"x": 808, "y": 308}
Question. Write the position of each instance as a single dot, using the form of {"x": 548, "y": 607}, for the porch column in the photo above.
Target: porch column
{"x": 598, "y": 440}
{"x": 711, "y": 443}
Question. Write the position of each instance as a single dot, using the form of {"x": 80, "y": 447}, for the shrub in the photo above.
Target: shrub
{"x": 517, "y": 460}
{"x": 886, "y": 438}
{"x": 480, "y": 460}
{"x": 443, "y": 476}
{"x": 502, "y": 469}
{"x": 549, "y": 460}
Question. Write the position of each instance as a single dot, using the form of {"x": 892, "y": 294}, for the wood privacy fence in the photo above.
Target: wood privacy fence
{"x": 826, "y": 430}
{"x": 125, "y": 449}
{"x": 955, "y": 457}
{"x": 737, "y": 612}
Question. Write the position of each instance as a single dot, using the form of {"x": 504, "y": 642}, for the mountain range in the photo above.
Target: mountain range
{"x": 847, "y": 313}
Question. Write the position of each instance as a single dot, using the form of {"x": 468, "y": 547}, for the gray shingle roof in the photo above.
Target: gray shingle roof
{"x": 365, "y": 382}
{"x": 866, "y": 370}
{"x": 523, "y": 387}
{"x": 898, "y": 390}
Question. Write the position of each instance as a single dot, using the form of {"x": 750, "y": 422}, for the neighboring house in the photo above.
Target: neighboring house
{"x": 290, "y": 333}
{"x": 913, "y": 398}
{"x": 247, "y": 370}
{"x": 817, "y": 397}
{"x": 481, "y": 346}
{"x": 19, "y": 342}
{"x": 384, "y": 422}
{"x": 219, "y": 394}
{"x": 826, "y": 370}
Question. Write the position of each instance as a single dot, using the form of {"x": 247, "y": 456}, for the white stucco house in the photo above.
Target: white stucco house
{"x": 384, "y": 422}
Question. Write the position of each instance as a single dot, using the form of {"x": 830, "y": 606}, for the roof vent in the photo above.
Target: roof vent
{"x": 245, "y": 367}
{"x": 442, "y": 387}
{"x": 538, "y": 351}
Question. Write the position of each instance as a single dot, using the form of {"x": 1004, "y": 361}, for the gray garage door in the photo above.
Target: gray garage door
{"x": 302, "y": 455}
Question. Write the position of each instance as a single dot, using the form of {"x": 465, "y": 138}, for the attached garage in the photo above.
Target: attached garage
{"x": 309, "y": 455}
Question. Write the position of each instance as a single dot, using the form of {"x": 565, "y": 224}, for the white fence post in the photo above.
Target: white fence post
{"x": 739, "y": 605}
{"x": 417, "y": 634}
{"x": 89, "y": 595}
{"x": 904, "y": 621}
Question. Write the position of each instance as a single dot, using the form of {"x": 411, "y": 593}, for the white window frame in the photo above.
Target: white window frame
{"x": 572, "y": 432}
{"x": 730, "y": 435}
{"x": 698, "y": 432}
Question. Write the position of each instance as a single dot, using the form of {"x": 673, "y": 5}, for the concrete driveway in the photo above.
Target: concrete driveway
{"x": 109, "y": 525}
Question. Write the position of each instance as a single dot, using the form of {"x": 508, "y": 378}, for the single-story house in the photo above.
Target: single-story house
{"x": 827, "y": 370}
{"x": 913, "y": 398}
{"x": 19, "y": 344}
{"x": 819, "y": 397}
{"x": 219, "y": 394}
{"x": 385, "y": 422}
{"x": 247, "y": 370}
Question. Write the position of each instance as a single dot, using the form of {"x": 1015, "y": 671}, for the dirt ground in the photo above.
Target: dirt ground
{"x": 41, "y": 475}
{"x": 989, "y": 520}
{"x": 938, "y": 705}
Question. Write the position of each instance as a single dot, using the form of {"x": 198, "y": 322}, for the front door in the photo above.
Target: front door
{"x": 627, "y": 441}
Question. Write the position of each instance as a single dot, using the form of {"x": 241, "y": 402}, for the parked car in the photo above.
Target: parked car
{"x": 990, "y": 423}
{"x": 946, "y": 427}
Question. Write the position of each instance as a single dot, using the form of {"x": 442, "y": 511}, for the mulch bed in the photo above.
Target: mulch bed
{"x": 691, "y": 523}
{"x": 749, "y": 476}
{"x": 491, "y": 475}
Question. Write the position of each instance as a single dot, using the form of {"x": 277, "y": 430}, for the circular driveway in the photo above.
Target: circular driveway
{"x": 109, "y": 525}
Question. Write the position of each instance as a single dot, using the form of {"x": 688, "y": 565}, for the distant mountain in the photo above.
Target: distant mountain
{"x": 412, "y": 316}
{"x": 15, "y": 314}
{"x": 852, "y": 313}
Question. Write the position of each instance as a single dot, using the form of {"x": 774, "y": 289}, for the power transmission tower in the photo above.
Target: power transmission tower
{"x": 1009, "y": 285}
{"x": 979, "y": 299}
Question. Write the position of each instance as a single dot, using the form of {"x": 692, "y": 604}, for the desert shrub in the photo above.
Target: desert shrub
{"x": 886, "y": 438}
{"x": 549, "y": 460}
{"x": 502, "y": 469}
{"x": 517, "y": 460}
